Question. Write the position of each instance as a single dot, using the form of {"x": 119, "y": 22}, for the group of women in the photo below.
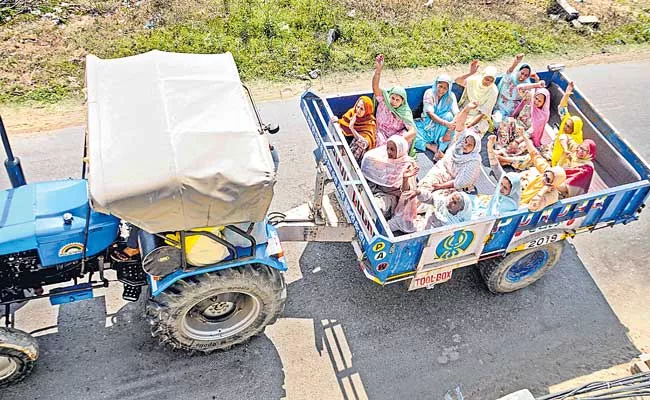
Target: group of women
{"x": 384, "y": 138}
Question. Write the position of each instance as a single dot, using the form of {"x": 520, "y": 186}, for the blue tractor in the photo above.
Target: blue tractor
{"x": 214, "y": 278}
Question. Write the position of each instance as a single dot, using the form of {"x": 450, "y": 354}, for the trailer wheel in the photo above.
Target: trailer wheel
{"x": 217, "y": 310}
{"x": 520, "y": 268}
{"x": 18, "y": 353}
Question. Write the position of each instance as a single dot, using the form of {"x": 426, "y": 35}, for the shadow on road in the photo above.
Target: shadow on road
{"x": 86, "y": 360}
{"x": 383, "y": 341}
{"x": 419, "y": 344}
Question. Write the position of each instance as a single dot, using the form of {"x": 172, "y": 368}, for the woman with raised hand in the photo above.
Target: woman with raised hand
{"x": 481, "y": 90}
{"x": 393, "y": 114}
{"x": 509, "y": 96}
{"x": 460, "y": 167}
{"x": 570, "y": 129}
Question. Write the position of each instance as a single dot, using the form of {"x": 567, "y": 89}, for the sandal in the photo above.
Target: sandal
{"x": 120, "y": 256}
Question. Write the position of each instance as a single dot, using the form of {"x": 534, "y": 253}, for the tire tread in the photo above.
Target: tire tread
{"x": 265, "y": 280}
{"x": 22, "y": 340}
{"x": 492, "y": 270}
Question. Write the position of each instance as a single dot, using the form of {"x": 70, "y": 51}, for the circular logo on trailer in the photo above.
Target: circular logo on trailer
{"x": 455, "y": 244}
{"x": 380, "y": 256}
{"x": 382, "y": 266}
{"x": 379, "y": 246}
{"x": 71, "y": 249}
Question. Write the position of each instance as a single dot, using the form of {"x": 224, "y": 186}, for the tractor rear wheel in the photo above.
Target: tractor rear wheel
{"x": 219, "y": 309}
{"x": 18, "y": 353}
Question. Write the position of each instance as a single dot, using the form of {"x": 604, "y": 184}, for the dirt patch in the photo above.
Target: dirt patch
{"x": 340, "y": 83}
{"x": 39, "y": 118}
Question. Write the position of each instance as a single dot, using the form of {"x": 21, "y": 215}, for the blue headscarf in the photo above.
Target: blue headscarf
{"x": 500, "y": 204}
{"x": 446, "y": 103}
{"x": 514, "y": 76}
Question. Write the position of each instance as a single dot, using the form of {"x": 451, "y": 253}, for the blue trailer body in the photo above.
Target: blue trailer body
{"x": 385, "y": 258}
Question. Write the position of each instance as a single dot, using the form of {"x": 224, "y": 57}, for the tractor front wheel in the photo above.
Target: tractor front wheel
{"x": 18, "y": 353}
{"x": 217, "y": 310}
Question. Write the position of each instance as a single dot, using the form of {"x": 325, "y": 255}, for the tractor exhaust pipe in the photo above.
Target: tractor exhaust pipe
{"x": 12, "y": 164}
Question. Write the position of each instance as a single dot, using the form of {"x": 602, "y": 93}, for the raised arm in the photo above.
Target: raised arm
{"x": 410, "y": 172}
{"x": 515, "y": 62}
{"x": 379, "y": 65}
{"x": 494, "y": 161}
{"x": 461, "y": 117}
{"x": 473, "y": 68}
{"x": 524, "y": 87}
{"x": 539, "y": 162}
{"x": 530, "y": 147}
{"x": 475, "y": 121}
{"x": 567, "y": 93}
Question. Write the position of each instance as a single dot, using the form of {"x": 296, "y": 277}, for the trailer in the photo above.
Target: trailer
{"x": 511, "y": 251}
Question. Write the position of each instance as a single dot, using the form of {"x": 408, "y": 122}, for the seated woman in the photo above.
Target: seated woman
{"x": 509, "y": 96}
{"x": 459, "y": 169}
{"x": 461, "y": 165}
{"x": 530, "y": 117}
{"x": 482, "y": 90}
{"x": 358, "y": 126}
{"x": 437, "y": 124}
{"x": 389, "y": 171}
{"x": 507, "y": 192}
{"x": 540, "y": 185}
{"x": 570, "y": 128}
{"x": 448, "y": 209}
{"x": 393, "y": 114}
{"x": 579, "y": 168}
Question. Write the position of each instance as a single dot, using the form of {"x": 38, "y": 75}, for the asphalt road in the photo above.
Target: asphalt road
{"x": 342, "y": 336}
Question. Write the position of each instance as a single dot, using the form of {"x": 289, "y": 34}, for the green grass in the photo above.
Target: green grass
{"x": 285, "y": 39}
{"x": 635, "y": 32}
{"x": 281, "y": 39}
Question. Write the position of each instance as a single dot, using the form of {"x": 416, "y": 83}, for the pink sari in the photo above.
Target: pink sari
{"x": 539, "y": 116}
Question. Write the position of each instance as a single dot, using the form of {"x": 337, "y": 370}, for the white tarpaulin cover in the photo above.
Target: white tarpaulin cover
{"x": 174, "y": 143}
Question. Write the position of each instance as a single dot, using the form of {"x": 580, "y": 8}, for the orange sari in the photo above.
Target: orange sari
{"x": 365, "y": 126}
